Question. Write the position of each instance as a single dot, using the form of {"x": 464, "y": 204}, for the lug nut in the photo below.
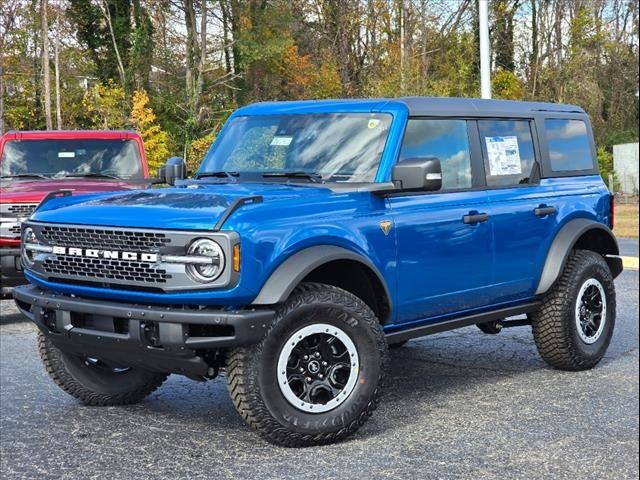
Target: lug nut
{"x": 317, "y": 354}
{"x": 320, "y": 375}
{"x": 324, "y": 364}
{"x": 308, "y": 379}
{"x": 301, "y": 369}
{"x": 306, "y": 357}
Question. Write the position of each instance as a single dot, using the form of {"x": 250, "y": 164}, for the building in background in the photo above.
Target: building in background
{"x": 625, "y": 165}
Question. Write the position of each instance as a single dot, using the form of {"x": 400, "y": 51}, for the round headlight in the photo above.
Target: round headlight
{"x": 28, "y": 256}
{"x": 208, "y": 270}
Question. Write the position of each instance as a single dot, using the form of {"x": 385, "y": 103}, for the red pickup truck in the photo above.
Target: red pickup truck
{"x": 33, "y": 164}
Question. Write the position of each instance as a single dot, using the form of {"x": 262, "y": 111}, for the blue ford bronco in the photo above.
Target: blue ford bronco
{"x": 315, "y": 236}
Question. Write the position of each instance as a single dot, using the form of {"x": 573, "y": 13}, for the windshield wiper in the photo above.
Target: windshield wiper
{"x": 313, "y": 177}
{"x": 26, "y": 175}
{"x": 89, "y": 175}
{"x": 219, "y": 174}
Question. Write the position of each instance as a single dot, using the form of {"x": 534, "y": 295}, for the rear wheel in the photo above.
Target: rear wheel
{"x": 95, "y": 382}
{"x": 317, "y": 375}
{"x": 574, "y": 326}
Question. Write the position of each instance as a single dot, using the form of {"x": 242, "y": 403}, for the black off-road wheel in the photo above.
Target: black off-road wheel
{"x": 573, "y": 327}
{"x": 95, "y": 382}
{"x": 317, "y": 375}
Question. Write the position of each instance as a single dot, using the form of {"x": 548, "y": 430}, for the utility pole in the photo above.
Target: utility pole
{"x": 402, "y": 47}
{"x": 485, "y": 54}
{"x": 45, "y": 64}
{"x": 57, "y": 69}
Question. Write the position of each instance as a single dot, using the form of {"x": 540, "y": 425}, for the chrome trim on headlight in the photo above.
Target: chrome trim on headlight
{"x": 37, "y": 248}
{"x": 187, "y": 259}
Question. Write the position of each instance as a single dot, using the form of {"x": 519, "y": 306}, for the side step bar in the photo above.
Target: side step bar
{"x": 451, "y": 324}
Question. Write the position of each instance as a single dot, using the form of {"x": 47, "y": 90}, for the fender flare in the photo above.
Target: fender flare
{"x": 294, "y": 269}
{"x": 565, "y": 241}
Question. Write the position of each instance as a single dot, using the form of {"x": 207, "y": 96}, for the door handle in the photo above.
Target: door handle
{"x": 473, "y": 217}
{"x": 543, "y": 211}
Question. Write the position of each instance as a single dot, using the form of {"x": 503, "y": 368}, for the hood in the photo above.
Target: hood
{"x": 34, "y": 191}
{"x": 193, "y": 207}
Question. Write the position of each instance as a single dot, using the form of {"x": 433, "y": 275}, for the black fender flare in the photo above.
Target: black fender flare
{"x": 294, "y": 269}
{"x": 565, "y": 241}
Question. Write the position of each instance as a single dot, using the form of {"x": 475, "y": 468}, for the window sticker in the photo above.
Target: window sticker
{"x": 373, "y": 123}
{"x": 66, "y": 154}
{"x": 504, "y": 156}
{"x": 281, "y": 141}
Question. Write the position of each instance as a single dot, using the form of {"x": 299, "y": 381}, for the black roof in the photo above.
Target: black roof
{"x": 481, "y": 107}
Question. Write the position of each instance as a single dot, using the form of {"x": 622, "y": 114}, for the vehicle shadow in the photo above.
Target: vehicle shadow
{"x": 421, "y": 371}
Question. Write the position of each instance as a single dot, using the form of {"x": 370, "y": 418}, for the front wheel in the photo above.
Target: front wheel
{"x": 317, "y": 375}
{"x": 573, "y": 327}
{"x": 95, "y": 382}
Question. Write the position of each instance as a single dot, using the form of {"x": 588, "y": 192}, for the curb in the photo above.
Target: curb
{"x": 630, "y": 263}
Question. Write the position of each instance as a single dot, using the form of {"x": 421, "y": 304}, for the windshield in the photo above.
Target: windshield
{"x": 71, "y": 158}
{"x": 333, "y": 147}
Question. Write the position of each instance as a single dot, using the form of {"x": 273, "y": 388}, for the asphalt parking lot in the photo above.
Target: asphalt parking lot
{"x": 457, "y": 405}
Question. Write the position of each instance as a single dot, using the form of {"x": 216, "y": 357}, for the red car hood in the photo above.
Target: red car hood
{"x": 34, "y": 191}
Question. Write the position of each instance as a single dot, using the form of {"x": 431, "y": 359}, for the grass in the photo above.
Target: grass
{"x": 626, "y": 223}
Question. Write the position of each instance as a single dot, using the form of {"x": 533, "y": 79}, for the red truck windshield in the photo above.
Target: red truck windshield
{"x": 71, "y": 158}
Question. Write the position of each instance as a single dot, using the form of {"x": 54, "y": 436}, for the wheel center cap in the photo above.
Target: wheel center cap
{"x": 313, "y": 367}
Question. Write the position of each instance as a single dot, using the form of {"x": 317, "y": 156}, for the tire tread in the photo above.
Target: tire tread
{"x": 242, "y": 374}
{"x": 53, "y": 362}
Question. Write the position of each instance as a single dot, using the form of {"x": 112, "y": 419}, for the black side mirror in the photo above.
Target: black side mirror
{"x": 174, "y": 169}
{"x": 418, "y": 174}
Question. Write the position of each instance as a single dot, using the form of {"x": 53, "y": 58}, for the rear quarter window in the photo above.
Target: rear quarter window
{"x": 569, "y": 145}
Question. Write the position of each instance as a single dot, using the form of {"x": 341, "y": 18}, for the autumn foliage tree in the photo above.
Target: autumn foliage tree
{"x": 143, "y": 120}
{"x": 106, "y": 106}
{"x": 198, "y": 60}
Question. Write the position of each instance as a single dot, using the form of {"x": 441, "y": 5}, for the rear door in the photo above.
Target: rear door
{"x": 522, "y": 213}
{"x": 444, "y": 265}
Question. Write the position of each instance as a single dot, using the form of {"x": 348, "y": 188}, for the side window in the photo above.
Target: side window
{"x": 507, "y": 148}
{"x": 448, "y": 141}
{"x": 569, "y": 145}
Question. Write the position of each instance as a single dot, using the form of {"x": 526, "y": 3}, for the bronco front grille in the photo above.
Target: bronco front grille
{"x": 21, "y": 210}
{"x": 105, "y": 269}
{"x": 81, "y": 237}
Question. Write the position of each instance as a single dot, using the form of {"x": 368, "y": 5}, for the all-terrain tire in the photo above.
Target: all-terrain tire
{"x": 252, "y": 370}
{"x": 96, "y": 386}
{"x": 555, "y": 327}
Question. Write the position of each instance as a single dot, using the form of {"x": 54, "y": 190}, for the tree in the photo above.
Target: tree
{"x": 8, "y": 11}
{"x": 118, "y": 34}
{"x": 106, "y": 106}
{"x": 156, "y": 140}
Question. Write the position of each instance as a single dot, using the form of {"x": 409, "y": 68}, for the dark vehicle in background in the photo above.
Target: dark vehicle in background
{"x": 34, "y": 164}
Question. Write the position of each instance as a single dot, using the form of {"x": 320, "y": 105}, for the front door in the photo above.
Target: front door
{"x": 444, "y": 240}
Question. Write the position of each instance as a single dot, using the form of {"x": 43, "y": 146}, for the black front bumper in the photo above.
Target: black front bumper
{"x": 10, "y": 268}
{"x": 167, "y": 339}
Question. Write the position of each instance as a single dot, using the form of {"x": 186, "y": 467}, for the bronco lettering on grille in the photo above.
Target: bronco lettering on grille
{"x": 107, "y": 254}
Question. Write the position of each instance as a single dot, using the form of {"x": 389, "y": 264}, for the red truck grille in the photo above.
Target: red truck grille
{"x": 21, "y": 210}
